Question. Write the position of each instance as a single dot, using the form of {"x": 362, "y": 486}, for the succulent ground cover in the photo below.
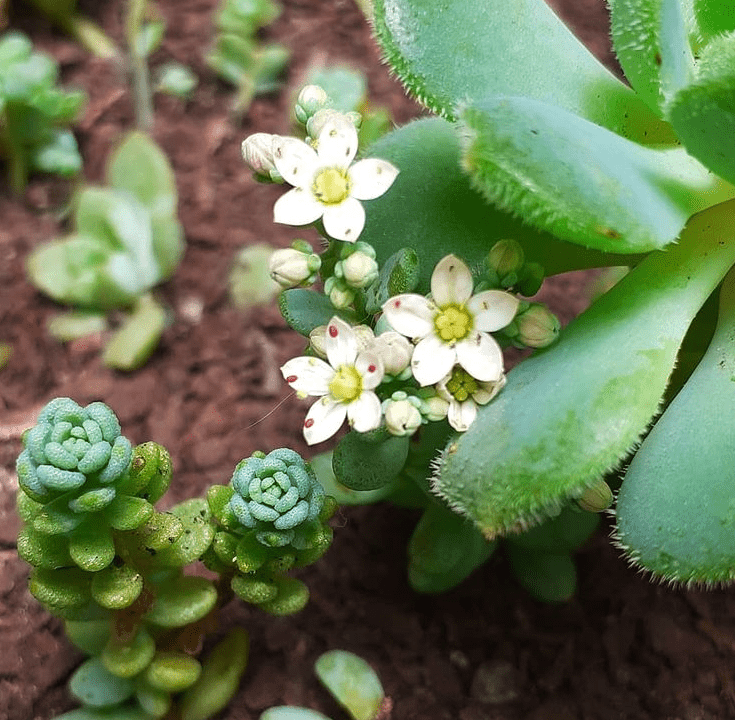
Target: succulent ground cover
{"x": 621, "y": 648}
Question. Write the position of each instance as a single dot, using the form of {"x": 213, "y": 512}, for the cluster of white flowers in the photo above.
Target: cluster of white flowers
{"x": 453, "y": 358}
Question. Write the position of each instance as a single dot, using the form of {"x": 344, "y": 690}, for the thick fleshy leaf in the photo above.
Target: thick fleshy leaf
{"x": 548, "y": 577}
{"x": 221, "y": 673}
{"x": 288, "y": 712}
{"x": 651, "y": 40}
{"x": 703, "y": 112}
{"x": 117, "y": 587}
{"x": 369, "y": 461}
{"x": 172, "y": 671}
{"x": 561, "y": 534}
{"x": 63, "y": 588}
{"x": 441, "y": 213}
{"x": 91, "y": 547}
{"x": 292, "y": 596}
{"x": 713, "y": 18}
{"x": 196, "y": 537}
{"x": 467, "y": 50}
{"x": 573, "y": 411}
{"x": 93, "y": 684}
{"x": 90, "y": 636}
{"x": 444, "y": 549}
{"x": 305, "y": 309}
{"x": 578, "y": 180}
{"x": 352, "y": 681}
{"x": 127, "y": 659}
{"x": 182, "y": 602}
{"x": 675, "y": 509}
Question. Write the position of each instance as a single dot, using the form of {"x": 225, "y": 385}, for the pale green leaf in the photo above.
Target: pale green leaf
{"x": 579, "y": 181}
{"x": 573, "y": 411}
{"x": 284, "y": 712}
{"x": 676, "y": 507}
{"x": 93, "y": 684}
{"x": 75, "y": 324}
{"x": 138, "y": 337}
{"x": 448, "y": 53}
{"x": 182, "y": 602}
{"x": 352, "y": 682}
{"x": 440, "y": 213}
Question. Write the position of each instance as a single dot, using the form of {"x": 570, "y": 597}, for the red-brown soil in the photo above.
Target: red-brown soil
{"x": 621, "y": 649}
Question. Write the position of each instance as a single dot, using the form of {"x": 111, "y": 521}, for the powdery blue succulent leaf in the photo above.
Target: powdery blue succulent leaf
{"x": 93, "y": 684}
{"x": 285, "y": 712}
{"x": 122, "y": 452}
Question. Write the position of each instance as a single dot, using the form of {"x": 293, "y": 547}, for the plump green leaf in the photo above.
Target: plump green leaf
{"x": 218, "y": 683}
{"x": 93, "y": 684}
{"x": 441, "y": 213}
{"x": 59, "y": 155}
{"x": 250, "y": 280}
{"x": 138, "y": 336}
{"x": 703, "y": 112}
{"x": 305, "y": 309}
{"x": 561, "y": 534}
{"x": 346, "y": 87}
{"x": 121, "y": 712}
{"x": 156, "y": 703}
{"x": 91, "y": 547}
{"x": 173, "y": 78}
{"x": 182, "y": 602}
{"x": 547, "y": 576}
{"x": 292, "y": 596}
{"x": 127, "y": 659}
{"x": 287, "y": 712}
{"x": 369, "y": 461}
{"x": 322, "y": 466}
{"x": 172, "y": 671}
{"x": 45, "y": 551}
{"x": 651, "y": 40}
{"x": 579, "y": 181}
{"x": 195, "y": 538}
{"x": 444, "y": 549}
{"x": 352, "y": 682}
{"x": 76, "y": 324}
{"x": 128, "y": 513}
{"x": 90, "y": 636}
{"x": 468, "y": 50}
{"x": 676, "y": 507}
{"x": 117, "y": 587}
{"x": 573, "y": 411}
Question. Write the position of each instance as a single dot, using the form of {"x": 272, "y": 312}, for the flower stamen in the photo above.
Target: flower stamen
{"x": 453, "y": 323}
{"x": 346, "y": 385}
{"x": 331, "y": 186}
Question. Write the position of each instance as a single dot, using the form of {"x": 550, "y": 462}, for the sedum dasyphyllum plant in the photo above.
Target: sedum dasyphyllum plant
{"x": 535, "y": 141}
{"x": 112, "y": 565}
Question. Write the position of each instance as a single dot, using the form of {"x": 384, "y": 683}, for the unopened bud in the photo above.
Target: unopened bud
{"x": 402, "y": 416}
{"x": 339, "y": 294}
{"x": 319, "y": 120}
{"x": 597, "y": 498}
{"x": 506, "y": 258}
{"x": 537, "y": 326}
{"x": 311, "y": 99}
{"x": 359, "y": 270}
{"x": 292, "y": 268}
{"x": 394, "y": 350}
{"x": 433, "y": 408}
{"x": 258, "y": 152}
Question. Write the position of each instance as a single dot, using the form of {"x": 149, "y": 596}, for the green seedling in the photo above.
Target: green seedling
{"x": 34, "y": 114}
{"x": 111, "y": 565}
{"x": 239, "y": 57}
{"x": 64, "y": 14}
{"x": 127, "y": 239}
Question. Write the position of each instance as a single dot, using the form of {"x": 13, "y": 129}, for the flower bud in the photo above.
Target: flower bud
{"x": 537, "y": 326}
{"x": 506, "y": 258}
{"x": 532, "y": 277}
{"x": 292, "y": 268}
{"x": 258, "y": 151}
{"x": 596, "y": 498}
{"x": 433, "y": 408}
{"x": 338, "y": 292}
{"x": 319, "y": 120}
{"x": 394, "y": 350}
{"x": 402, "y": 417}
{"x": 359, "y": 270}
{"x": 311, "y": 99}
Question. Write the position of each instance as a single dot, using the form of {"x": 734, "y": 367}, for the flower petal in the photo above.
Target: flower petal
{"x": 451, "y": 282}
{"x": 364, "y": 413}
{"x": 411, "y": 315}
{"x": 371, "y": 369}
{"x": 297, "y": 207}
{"x": 344, "y": 221}
{"x": 295, "y": 161}
{"x": 461, "y": 414}
{"x": 493, "y": 309}
{"x": 340, "y": 343}
{"x": 324, "y": 418}
{"x": 308, "y": 375}
{"x": 488, "y": 390}
{"x": 337, "y": 144}
{"x": 370, "y": 178}
{"x": 432, "y": 360}
{"x": 481, "y": 356}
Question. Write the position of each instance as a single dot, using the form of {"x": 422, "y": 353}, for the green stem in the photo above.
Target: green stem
{"x": 142, "y": 96}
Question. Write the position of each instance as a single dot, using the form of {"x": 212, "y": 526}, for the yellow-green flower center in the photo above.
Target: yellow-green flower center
{"x": 453, "y": 323}
{"x": 461, "y": 385}
{"x": 346, "y": 385}
{"x": 331, "y": 186}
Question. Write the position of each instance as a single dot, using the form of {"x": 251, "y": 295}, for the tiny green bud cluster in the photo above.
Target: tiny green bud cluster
{"x": 296, "y": 266}
{"x": 506, "y": 267}
{"x": 534, "y": 326}
{"x": 357, "y": 265}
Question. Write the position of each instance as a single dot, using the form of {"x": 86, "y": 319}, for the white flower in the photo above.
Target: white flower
{"x": 345, "y": 384}
{"x": 464, "y": 394}
{"x": 453, "y": 326}
{"x": 326, "y": 185}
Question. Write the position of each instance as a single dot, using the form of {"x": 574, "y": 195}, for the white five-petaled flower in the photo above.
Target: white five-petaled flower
{"x": 453, "y": 326}
{"x": 326, "y": 184}
{"x": 345, "y": 384}
{"x": 464, "y": 394}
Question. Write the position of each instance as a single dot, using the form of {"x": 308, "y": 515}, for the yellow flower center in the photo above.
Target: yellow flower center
{"x": 331, "y": 186}
{"x": 453, "y": 323}
{"x": 461, "y": 385}
{"x": 346, "y": 385}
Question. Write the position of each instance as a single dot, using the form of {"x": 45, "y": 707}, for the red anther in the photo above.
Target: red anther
{"x": 396, "y": 303}
{"x": 371, "y": 368}
{"x": 291, "y": 378}
{"x": 333, "y": 331}
{"x": 308, "y": 423}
